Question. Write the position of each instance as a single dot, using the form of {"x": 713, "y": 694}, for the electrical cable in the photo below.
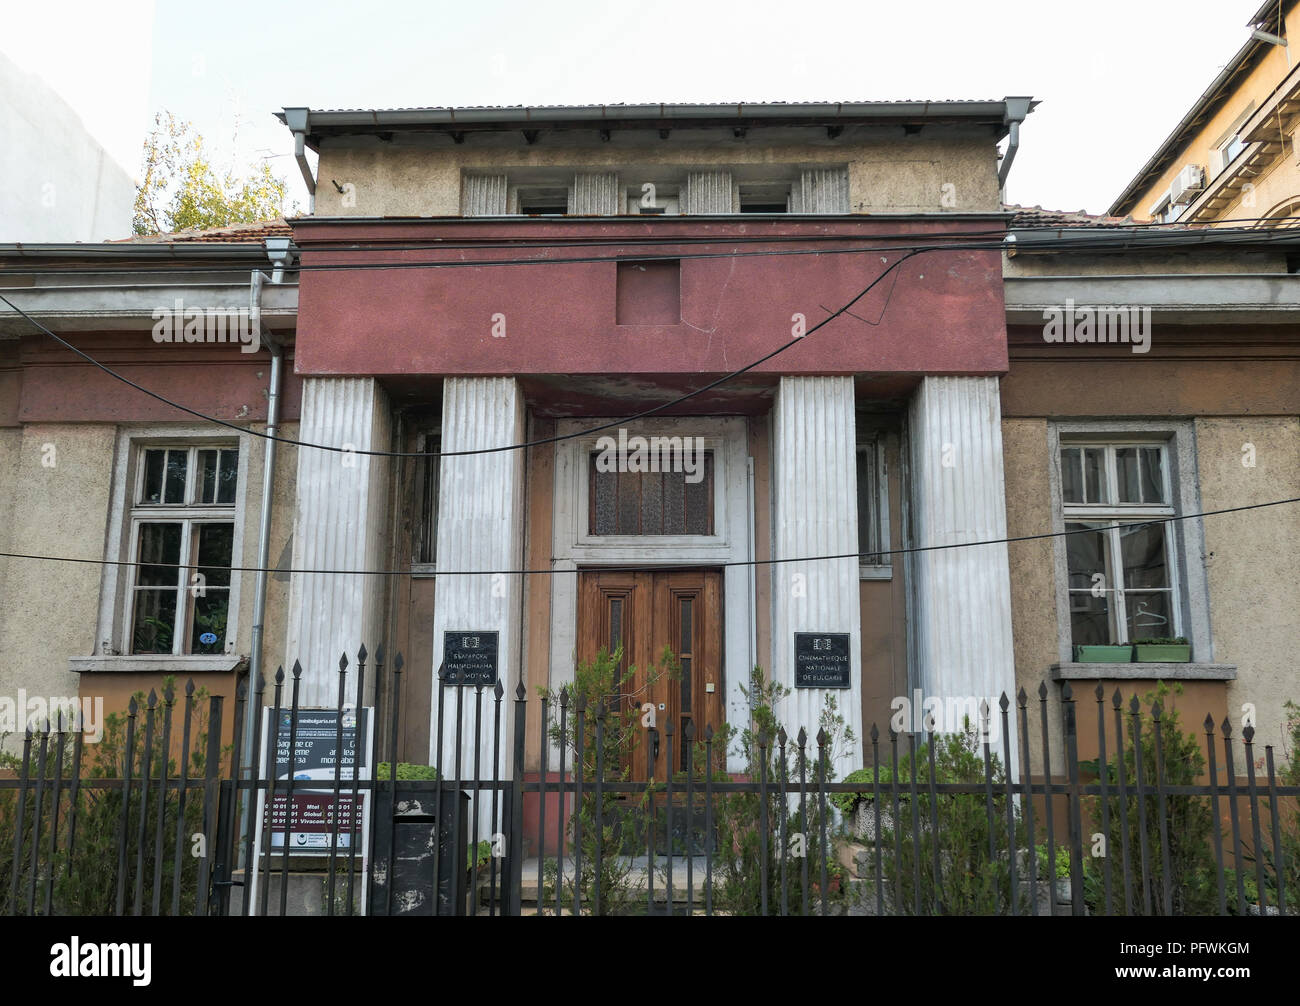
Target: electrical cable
{"x": 641, "y": 568}
{"x": 614, "y": 424}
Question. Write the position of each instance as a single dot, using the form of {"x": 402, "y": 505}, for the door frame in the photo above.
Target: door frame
{"x": 573, "y": 548}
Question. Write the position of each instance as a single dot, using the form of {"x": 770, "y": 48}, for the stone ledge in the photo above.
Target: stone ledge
{"x": 157, "y": 663}
{"x": 1144, "y": 672}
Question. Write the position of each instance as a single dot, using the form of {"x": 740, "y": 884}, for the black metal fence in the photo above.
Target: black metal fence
{"x": 159, "y": 818}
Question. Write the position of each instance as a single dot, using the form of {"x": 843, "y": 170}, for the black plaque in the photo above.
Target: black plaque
{"x": 469, "y": 657}
{"x": 821, "y": 660}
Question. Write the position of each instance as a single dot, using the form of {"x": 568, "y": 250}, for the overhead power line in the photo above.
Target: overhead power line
{"x": 642, "y": 568}
{"x": 614, "y": 424}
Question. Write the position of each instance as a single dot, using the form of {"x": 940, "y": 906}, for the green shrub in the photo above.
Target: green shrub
{"x": 406, "y": 771}
{"x": 739, "y": 862}
{"x": 972, "y": 878}
{"x": 87, "y": 885}
{"x": 1188, "y": 820}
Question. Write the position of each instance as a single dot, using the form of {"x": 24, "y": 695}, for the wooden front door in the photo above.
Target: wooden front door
{"x": 646, "y": 612}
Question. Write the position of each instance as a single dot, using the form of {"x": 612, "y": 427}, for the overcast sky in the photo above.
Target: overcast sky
{"x": 1114, "y": 76}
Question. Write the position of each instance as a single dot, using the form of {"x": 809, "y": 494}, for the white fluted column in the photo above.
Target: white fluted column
{"x": 480, "y": 527}
{"x": 815, "y": 473}
{"x": 340, "y": 521}
{"x": 961, "y": 614}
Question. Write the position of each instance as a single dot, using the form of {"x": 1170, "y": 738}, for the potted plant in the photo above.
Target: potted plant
{"x": 1159, "y": 649}
{"x": 859, "y": 808}
{"x": 1114, "y": 653}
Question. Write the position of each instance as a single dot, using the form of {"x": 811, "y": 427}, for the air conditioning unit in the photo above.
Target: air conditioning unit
{"x": 1187, "y": 184}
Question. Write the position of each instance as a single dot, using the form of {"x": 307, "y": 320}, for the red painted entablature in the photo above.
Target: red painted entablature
{"x": 939, "y": 312}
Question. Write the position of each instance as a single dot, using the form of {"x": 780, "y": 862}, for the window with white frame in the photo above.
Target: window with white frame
{"x": 1121, "y": 564}
{"x": 182, "y": 534}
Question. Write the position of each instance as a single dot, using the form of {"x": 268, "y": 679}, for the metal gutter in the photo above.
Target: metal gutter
{"x": 1122, "y": 239}
{"x": 314, "y": 124}
{"x": 144, "y": 249}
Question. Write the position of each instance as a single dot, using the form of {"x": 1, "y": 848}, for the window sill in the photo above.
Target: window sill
{"x": 157, "y": 663}
{"x": 1144, "y": 672}
{"x": 875, "y": 572}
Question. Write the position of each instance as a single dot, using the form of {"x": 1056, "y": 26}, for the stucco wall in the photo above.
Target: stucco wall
{"x": 888, "y": 175}
{"x": 1253, "y": 585}
{"x": 1034, "y": 627}
{"x": 1251, "y": 562}
{"x": 48, "y": 609}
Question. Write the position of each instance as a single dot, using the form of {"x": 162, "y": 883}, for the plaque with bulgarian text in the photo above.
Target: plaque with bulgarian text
{"x": 469, "y": 657}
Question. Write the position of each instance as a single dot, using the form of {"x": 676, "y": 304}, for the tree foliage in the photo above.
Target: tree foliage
{"x": 181, "y": 188}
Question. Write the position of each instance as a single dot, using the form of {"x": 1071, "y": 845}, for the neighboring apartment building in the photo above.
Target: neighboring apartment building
{"x": 475, "y": 279}
{"x": 1233, "y": 160}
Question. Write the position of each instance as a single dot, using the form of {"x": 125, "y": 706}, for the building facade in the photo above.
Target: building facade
{"x": 782, "y": 386}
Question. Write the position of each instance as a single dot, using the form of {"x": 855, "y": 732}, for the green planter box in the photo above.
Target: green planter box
{"x": 1103, "y": 654}
{"x": 1169, "y": 653}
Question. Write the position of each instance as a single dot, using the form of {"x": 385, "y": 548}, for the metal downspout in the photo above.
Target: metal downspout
{"x": 1017, "y": 110}
{"x": 256, "y": 661}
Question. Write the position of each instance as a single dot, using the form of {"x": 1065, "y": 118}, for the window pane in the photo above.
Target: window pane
{"x": 207, "y": 476}
{"x": 1126, "y": 471}
{"x": 868, "y": 515}
{"x": 155, "y": 621}
{"x": 699, "y": 509}
{"x": 629, "y": 503}
{"x": 1094, "y": 473}
{"x": 1089, "y": 619}
{"x": 1148, "y": 614}
{"x": 687, "y": 606}
{"x": 151, "y": 491}
{"x": 1085, "y": 554}
{"x": 229, "y": 476}
{"x": 159, "y": 543}
{"x": 615, "y": 623}
{"x": 1143, "y": 549}
{"x": 178, "y": 463}
{"x": 652, "y": 503}
{"x": 1071, "y": 475}
{"x": 674, "y": 506}
{"x": 1153, "y": 479}
{"x": 216, "y": 546}
{"x": 428, "y": 550}
{"x": 210, "y": 612}
{"x": 604, "y": 485}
